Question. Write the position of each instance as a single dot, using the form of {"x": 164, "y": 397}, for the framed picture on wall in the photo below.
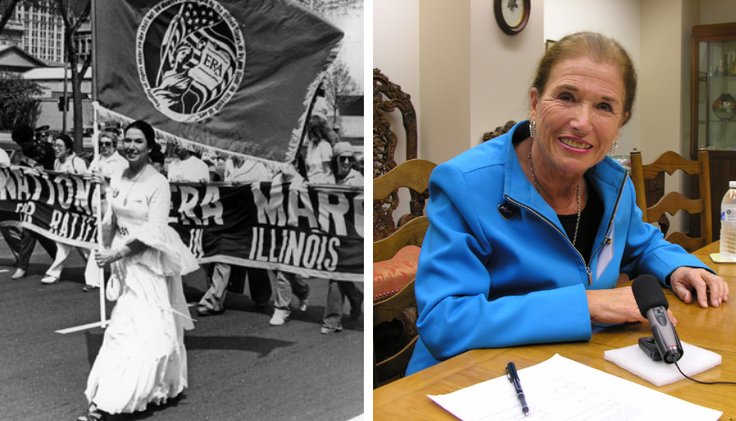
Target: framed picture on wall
{"x": 548, "y": 43}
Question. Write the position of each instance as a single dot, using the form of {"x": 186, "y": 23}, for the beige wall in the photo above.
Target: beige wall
{"x": 618, "y": 19}
{"x": 501, "y": 68}
{"x": 717, "y": 11}
{"x": 465, "y": 76}
{"x": 396, "y": 53}
{"x": 444, "y": 63}
{"x": 662, "y": 86}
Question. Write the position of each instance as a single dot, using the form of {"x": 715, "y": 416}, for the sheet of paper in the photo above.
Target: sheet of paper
{"x": 562, "y": 389}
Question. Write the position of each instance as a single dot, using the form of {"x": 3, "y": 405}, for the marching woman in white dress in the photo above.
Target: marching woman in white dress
{"x": 142, "y": 359}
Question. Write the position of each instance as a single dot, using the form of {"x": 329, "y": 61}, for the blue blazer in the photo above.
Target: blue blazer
{"x": 497, "y": 269}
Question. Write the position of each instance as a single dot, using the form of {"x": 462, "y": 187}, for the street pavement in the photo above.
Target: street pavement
{"x": 240, "y": 368}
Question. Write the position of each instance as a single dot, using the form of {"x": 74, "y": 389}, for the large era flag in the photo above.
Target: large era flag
{"x": 237, "y": 75}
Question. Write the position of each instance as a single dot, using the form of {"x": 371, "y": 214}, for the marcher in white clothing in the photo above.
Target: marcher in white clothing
{"x": 343, "y": 163}
{"x": 4, "y": 158}
{"x": 319, "y": 151}
{"x": 109, "y": 161}
{"x": 142, "y": 359}
{"x": 107, "y": 164}
{"x": 288, "y": 284}
{"x": 66, "y": 161}
{"x": 187, "y": 167}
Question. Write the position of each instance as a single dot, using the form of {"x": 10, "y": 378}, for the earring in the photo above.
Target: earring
{"x": 533, "y": 128}
{"x": 612, "y": 151}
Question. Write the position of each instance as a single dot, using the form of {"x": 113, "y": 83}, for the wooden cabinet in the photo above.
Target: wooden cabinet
{"x": 713, "y": 110}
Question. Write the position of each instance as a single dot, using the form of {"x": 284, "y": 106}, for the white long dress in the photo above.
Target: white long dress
{"x": 143, "y": 359}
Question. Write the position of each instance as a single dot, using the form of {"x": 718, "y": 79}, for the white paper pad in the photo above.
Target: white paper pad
{"x": 694, "y": 360}
{"x": 562, "y": 389}
{"x": 717, "y": 258}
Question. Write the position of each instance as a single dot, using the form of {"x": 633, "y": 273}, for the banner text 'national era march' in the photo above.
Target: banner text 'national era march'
{"x": 308, "y": 230}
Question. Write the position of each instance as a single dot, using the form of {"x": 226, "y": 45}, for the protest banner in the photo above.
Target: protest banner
{"x": 56, "y": 205}
{"x": 314, "y": 231}
{"x": 230, "y": 74}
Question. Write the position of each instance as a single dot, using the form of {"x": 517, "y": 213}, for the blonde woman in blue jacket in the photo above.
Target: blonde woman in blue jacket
{"x": 529, "y": 232}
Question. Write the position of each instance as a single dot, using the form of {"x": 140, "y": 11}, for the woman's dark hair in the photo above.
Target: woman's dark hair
{"x": 321, "y": 130}
{"x": 597, "y": 47}
{"x": 23, "y": 133}
{"x": 156, "y": 155}
{"x": 68, "y": 141}
{"x": 147, "y": 131}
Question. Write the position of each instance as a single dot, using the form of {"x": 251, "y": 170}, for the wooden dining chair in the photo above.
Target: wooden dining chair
{"x": 672, "y": 202}
{"x": 395, "y": 261}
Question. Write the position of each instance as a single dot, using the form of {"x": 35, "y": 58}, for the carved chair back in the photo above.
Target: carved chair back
{"x": 387, "y": 99}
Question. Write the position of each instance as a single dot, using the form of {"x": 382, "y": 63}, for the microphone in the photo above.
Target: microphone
{"x": 653, "y": 305}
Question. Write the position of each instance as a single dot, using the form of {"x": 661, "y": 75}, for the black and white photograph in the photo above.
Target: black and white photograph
{"x": 182, "y": 210}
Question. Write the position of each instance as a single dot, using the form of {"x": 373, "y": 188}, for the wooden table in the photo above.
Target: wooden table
{"x": 713, "y": 329}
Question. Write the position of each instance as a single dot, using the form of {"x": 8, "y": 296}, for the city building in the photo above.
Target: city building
{"x": 39, "y": 30}
{"x": 32, "y": 45}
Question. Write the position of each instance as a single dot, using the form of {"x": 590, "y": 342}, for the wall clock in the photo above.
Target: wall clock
{"x": 512, "y": 15}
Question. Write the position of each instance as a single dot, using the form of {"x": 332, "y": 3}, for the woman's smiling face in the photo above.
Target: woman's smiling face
{"x": 135, "y": 146}
{"x": 580, "y": 113}
{"x": 60, "y": 149}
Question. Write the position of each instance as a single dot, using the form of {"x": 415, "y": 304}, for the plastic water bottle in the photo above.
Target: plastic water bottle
{"x": 728, "y": 223}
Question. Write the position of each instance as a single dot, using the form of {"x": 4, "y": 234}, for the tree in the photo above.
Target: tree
{"x": 68, "y": 12}
{"x": 340, "y": 88}
{"x": 335, "y": 7}
{"x": 8, "y": 6}
{"x": 18, "y": 104}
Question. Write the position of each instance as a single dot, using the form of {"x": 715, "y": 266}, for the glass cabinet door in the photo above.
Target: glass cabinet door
{"x": 713, "y": 111}
{"x": 713, "y": 107}
{"x": 717, "y": 95}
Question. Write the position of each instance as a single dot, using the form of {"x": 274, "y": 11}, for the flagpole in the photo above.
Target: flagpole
{"x": 93, "y": 13}
{"x": 96, "y": 148}
{"x": 98, "y": 215}
{"x": 96, "y": 199}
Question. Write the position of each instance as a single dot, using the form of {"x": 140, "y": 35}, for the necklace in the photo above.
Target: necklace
{"x": 536, "y": 185}
{"x": 132, "y": 182}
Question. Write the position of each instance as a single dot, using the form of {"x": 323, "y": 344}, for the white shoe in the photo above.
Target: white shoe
{"x": 19, "y": 273}
{"x": 304, "y": 300}
{"x": 279, "y": 317}
{"x": 49, "y": 279}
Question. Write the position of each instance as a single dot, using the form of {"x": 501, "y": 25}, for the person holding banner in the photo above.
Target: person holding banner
{"x": 31, "y": 156}
{"x": 187, "y": 167}
{"x": 109, "y": 161}
{"x": 288, "y": 284}
{"x": 107, "y": 164}
{"x": 238, "y": 171}
{"x": 11, "y": 234}
{"x": 142, "y": 359}
{"x": 66, "y": 161}
{"x": 343, "y": 166}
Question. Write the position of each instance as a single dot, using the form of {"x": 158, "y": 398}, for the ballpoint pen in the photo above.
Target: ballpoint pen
{"x": 514, "y": 378}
